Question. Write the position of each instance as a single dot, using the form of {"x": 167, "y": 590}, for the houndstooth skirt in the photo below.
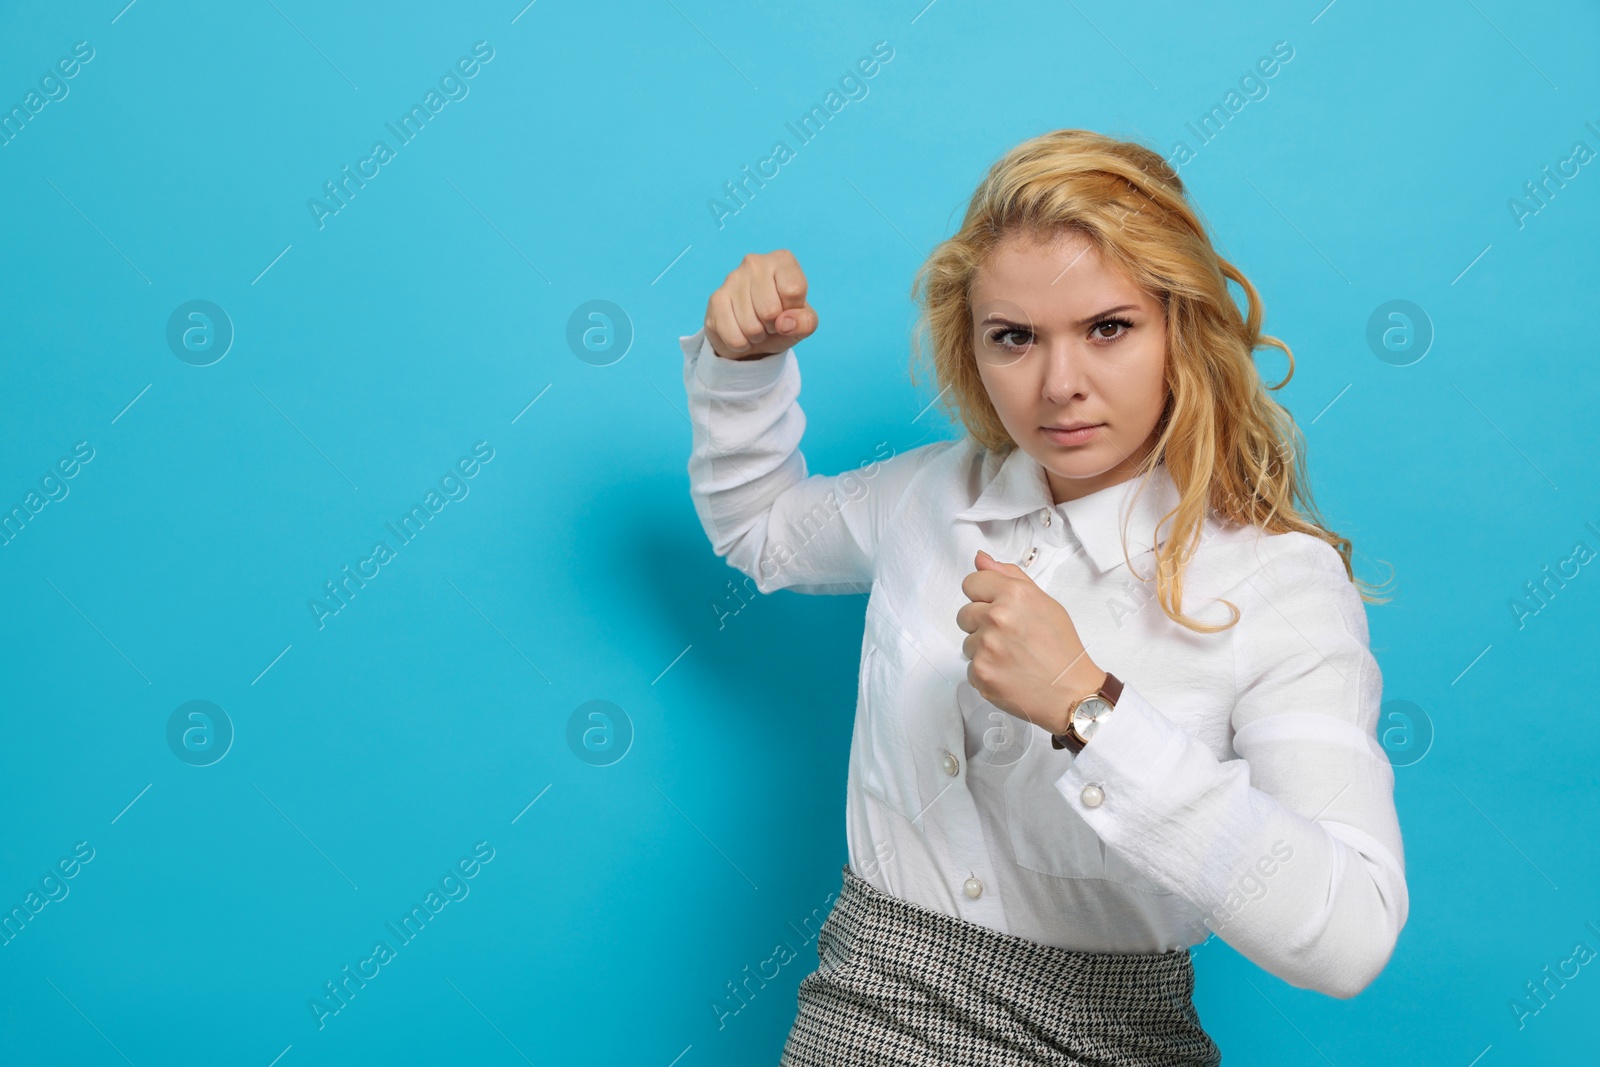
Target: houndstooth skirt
{"x": 902, "y": 985}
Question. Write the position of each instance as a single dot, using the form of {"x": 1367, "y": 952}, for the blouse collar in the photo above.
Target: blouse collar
{"x": 1020, "y": 486}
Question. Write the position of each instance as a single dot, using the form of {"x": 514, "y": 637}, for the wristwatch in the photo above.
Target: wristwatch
{"x": 1086, "y": 715}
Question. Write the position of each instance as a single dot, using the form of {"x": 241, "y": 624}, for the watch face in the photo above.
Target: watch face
{"x": 1086, "y": 717}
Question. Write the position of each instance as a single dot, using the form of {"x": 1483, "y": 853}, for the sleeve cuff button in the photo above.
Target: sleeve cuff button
{"x": 1092, "y": 795}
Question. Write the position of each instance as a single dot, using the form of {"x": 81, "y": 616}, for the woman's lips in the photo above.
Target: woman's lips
{"x": 1072, "y": 437}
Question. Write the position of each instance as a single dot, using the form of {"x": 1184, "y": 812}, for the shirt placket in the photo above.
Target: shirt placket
{"x": 1045, "y": 540}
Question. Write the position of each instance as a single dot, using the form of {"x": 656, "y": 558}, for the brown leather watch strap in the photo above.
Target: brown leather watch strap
{"x": 1112, "y": 689}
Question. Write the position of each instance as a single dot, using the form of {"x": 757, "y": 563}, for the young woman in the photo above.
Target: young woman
{"x": 1115, "y": 690}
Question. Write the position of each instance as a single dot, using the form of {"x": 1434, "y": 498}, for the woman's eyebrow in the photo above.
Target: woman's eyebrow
{"x": 1098, "y": 315}
{"x": 997, "y": 319}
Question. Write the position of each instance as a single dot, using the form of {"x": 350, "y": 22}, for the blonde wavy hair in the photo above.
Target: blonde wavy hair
{"x": 1228, "y": 445}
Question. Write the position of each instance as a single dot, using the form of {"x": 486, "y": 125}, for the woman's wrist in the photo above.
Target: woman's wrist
{"x": 747, "y": 358}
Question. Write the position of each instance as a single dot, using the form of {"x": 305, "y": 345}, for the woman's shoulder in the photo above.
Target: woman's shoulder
{"x": 1273, "y": 545}
{"x": 1292, "y": 584}
{"x": 939, "y": 468}
{"x": 1258, "y": 564}
{"x": 1293, "y": 555}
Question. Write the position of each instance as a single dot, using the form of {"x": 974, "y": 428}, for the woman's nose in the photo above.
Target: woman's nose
{"x": 1063, "y": 373}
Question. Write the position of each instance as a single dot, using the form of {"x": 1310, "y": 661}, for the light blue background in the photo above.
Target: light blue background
{"x": 431, "y": 312}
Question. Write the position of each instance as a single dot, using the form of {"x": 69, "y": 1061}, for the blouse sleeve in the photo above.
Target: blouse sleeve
{"x": 762, "y": 510}
{"x": 1292, "y": 851}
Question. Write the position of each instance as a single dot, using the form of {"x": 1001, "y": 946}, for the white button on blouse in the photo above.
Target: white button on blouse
{"x": 1237, "y": 788}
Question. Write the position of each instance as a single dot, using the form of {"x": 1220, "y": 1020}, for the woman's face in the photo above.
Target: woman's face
{"x": 1062, "y": 339}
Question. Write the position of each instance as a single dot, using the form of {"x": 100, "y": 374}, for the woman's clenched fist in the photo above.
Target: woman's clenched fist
{"x": 761, "y": 308}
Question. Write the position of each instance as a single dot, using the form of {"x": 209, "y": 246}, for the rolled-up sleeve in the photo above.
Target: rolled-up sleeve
{"x": 760, "y": 507}
{"x": 1292, "y": 851}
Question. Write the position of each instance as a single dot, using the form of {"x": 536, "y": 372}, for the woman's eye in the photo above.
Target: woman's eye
{"x": 999, "y": 338}
{"x": 1099, "y": 326}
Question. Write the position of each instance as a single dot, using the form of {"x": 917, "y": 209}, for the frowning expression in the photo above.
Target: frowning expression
{"x": 1063, "y": 340}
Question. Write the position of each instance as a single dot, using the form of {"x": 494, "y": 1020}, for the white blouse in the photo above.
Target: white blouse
{"x": 1237, "y": 788}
